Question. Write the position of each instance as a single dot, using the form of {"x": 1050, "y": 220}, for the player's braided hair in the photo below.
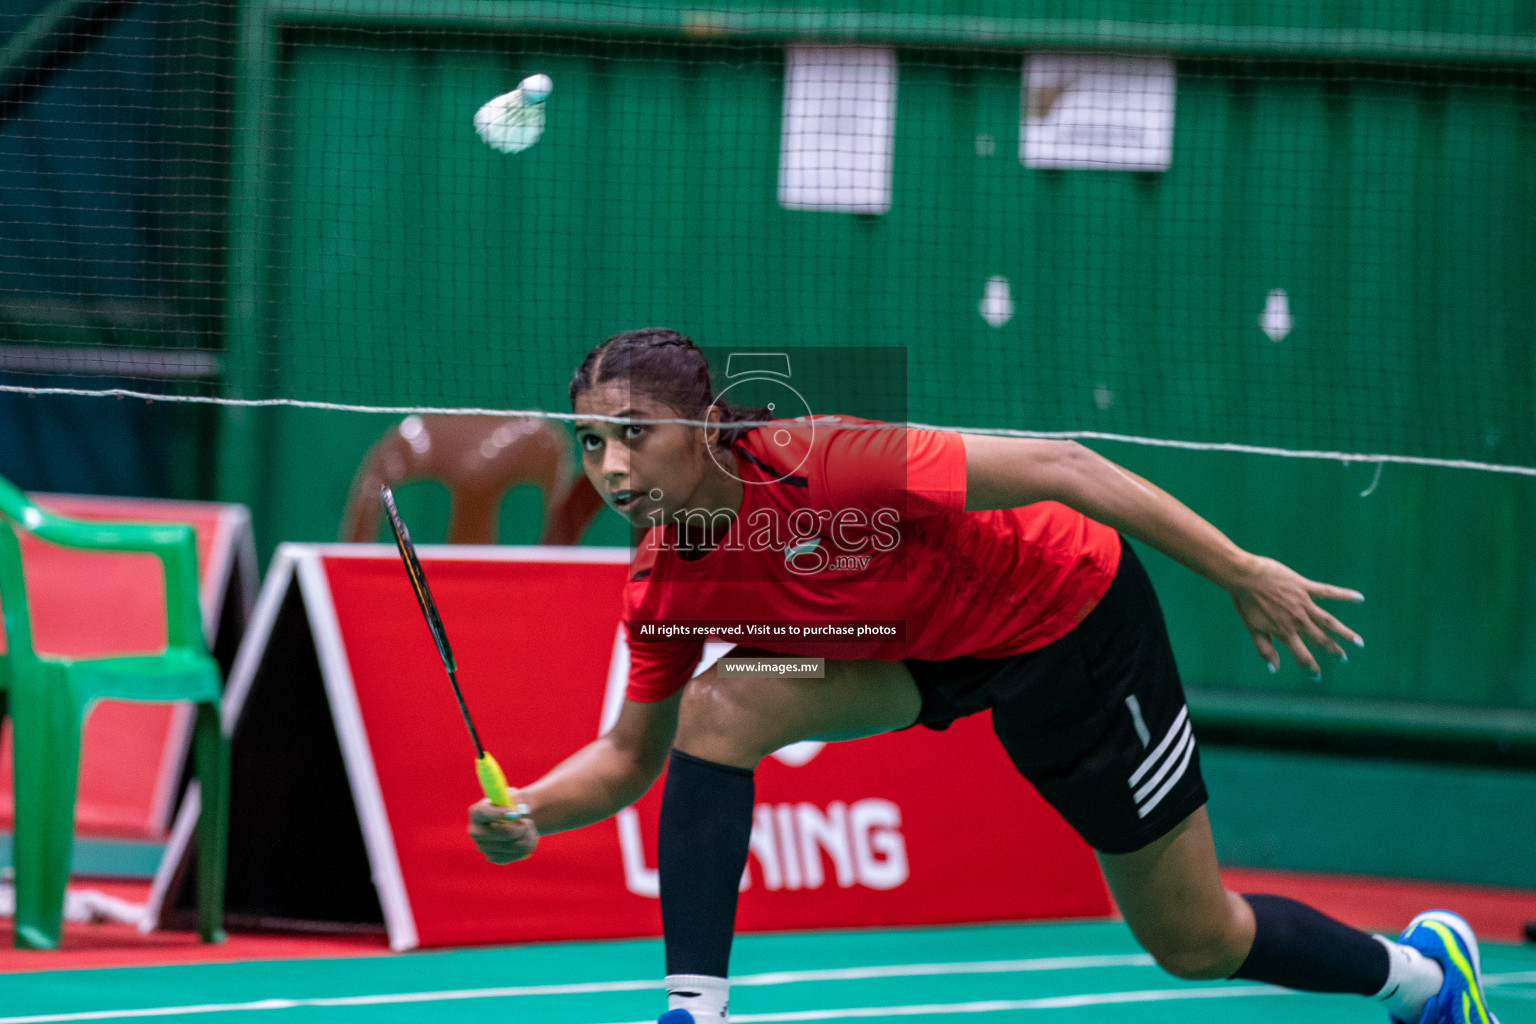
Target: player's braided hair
{"x": 668, "y": 367}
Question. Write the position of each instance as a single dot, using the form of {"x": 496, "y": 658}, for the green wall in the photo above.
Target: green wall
{"x": 1298, "y": 811}
{"x": 406, "y": 263}
{"x": 396, "y": 260}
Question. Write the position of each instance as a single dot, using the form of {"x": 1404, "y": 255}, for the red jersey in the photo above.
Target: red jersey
{"x": 860, "y": 526}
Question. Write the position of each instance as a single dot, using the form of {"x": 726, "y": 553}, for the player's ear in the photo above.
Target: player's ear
{"x": 712, "y": 432}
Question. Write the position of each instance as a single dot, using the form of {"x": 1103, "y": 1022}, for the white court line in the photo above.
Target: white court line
{"x": 371, "y": 1000}
{"x": 1050, "y": 963}
{"x": 1044, "y": 963}
{"x": 1501, "y": 983}
{"x": 915, "y": 1010}
{"x": 1002, "y": 1005}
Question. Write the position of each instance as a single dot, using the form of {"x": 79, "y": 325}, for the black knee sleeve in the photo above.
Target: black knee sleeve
{"x": 706, "y": 825}
{"x": 1301, "y": 948}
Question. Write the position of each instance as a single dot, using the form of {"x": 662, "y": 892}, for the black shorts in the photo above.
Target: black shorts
{"x": 1096, "y": 721}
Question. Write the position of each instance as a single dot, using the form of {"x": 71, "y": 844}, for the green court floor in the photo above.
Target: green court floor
{"x": 1072, "y": 972}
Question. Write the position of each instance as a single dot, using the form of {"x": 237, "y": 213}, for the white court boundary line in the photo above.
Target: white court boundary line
{"x": 845, "y": 1013}
{"x": 1158, "y": 995}
{"x": 1053, "y": 963}
{"x": 1043, "y": 963}
{"x": 774, "y": 978}
{"x": 1504, "y": 982}
{"x": 1060, "y": 435}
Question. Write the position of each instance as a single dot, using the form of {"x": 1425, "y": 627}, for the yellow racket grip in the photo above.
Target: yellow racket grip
{"x": 494, "y": 784}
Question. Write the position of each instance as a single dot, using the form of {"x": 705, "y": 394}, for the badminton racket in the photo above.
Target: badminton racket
{"x": 492, "y": 781}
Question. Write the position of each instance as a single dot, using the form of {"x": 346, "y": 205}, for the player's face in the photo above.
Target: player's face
{"x": 645, "y": 472}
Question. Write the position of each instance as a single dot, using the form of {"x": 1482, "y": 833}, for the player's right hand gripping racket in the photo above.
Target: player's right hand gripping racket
{"x": 492, "y": 782}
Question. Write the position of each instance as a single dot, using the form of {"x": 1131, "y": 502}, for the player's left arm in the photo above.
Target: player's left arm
{"x": 1274, "y": 601}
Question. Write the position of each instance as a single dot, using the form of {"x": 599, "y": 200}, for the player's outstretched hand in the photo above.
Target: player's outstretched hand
{"x": 501, "y": 841}
{"x": 1278, "y": 604}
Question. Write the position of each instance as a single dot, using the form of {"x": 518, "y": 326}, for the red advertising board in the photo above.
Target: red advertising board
{"x": 910, "y": 828}
{"x": 91, "y": 603}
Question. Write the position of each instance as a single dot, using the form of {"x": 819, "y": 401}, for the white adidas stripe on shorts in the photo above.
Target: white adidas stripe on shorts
{"x": 1166, "y": 764}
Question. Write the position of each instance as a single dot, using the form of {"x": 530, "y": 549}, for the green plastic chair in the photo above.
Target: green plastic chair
{"x": 49, "y": 698}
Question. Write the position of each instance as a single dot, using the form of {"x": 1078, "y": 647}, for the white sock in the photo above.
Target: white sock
{"x": 1412, "y": 980}
{"x": 704, "y": 996}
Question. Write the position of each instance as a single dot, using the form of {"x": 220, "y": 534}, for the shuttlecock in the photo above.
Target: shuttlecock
{"x": 536, "y": 88}
{"x": 513, "y": 121}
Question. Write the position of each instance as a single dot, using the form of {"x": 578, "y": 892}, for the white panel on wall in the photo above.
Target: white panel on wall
{"x": 1113, "y": 113}
{"x": 839, "y": 128}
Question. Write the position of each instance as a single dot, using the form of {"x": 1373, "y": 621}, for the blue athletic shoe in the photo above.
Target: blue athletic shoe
{"x": 1448, "y": 940}
{"x": 675, "y": 1017}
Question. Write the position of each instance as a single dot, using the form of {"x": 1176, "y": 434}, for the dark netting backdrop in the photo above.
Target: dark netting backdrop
{"x": 1277, "y": 224}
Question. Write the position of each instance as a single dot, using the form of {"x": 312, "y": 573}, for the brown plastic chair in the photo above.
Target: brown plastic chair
{"x": 479, "y": 459}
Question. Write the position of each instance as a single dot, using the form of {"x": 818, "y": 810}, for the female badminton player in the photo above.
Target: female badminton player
{"x": 1005, "y": 558}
